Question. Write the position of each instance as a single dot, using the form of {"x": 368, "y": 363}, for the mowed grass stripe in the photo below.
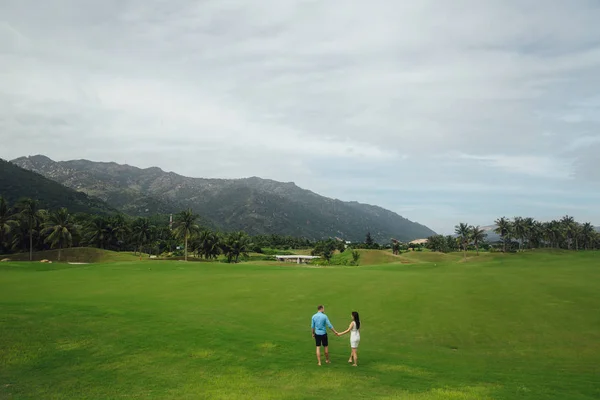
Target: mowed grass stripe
{"x": 505, "y": 327}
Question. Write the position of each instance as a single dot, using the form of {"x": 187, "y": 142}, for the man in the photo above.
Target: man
{"x": 319, "y": 325}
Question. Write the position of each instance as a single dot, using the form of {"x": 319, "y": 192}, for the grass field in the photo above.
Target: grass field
{"x": 523, "y": 326}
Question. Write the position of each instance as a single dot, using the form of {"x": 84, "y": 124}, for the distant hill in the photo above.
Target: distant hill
{"x": 492, "y": 236}
{"x": 17, "y": 183}
{"x": 255, "y": 205}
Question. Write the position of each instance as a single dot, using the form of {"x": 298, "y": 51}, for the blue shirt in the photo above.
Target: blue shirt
{"x": 319, "y": 323}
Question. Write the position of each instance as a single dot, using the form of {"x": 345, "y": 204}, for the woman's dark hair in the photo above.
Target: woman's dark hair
{"x": 356, "y": 319}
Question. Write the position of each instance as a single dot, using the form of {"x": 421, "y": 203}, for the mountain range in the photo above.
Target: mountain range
{"x": 255, "y": 205}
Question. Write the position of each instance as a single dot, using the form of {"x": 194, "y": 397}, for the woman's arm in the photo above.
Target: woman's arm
{"x": 347, "y": 330}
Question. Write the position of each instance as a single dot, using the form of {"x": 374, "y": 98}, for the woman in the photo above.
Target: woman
{"x": 354, "y": 330}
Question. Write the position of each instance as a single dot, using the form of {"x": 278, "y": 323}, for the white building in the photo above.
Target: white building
{"x": 298, "y": 259}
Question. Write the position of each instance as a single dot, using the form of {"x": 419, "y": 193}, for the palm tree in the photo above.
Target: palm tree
{"x": 98, "y": 231}
{"x": 595, "y": 240}
{"x": 142, "y": 231}
{"x": 567, "y": 222}
{"x": 19, "y": 234}
{"x": 164, "y": 238}
{"x": 555, "y": 233}
{"x": 478, "y": 235}
{"x": 536, "y": 234}
{"x": 503, "y": 228}
{"x": 6, "y": 223}
{"x": 32, "y": 215}
{"x": 208, "y": 244}
{"x": 587, "y": 234}
{"x": 168, "y": 239}
{"x": 119, "y": 229}
{"x": 464, "y": 232}
{"x": 185, "y": 226}
{"x": 530, "y": 231}
{"x": 577, "y": 231}
{"x": 59, "y": 229}
{"x": 236, "y": 244}
{"x": 520, "y": 230}
{"x": 545, "y": 231}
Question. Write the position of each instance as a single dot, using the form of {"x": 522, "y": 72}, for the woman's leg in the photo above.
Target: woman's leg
{"x": 355, "y": 356}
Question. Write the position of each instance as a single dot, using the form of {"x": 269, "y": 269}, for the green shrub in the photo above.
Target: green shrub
{"x": 274, "y": 252}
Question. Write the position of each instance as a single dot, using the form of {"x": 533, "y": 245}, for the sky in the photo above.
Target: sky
{"x": 442, "y": 111}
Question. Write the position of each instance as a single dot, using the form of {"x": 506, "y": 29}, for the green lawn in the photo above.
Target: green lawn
{"x": 521, "y": 326}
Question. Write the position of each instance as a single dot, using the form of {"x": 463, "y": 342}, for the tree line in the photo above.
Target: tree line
{"x": 26, "y": 227}
{"x": 520, "y": 234}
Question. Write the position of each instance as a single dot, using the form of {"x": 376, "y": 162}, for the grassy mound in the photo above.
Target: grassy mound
{"x": 432, "y": 257}
{"x": 76, "y": 254}
{"x": 367, "y": 257}
{"x": 427, "y": 256}
{"x": 378, "y": 257}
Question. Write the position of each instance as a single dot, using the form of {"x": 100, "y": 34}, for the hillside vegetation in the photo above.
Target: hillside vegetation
{"x": 17, "y": 183}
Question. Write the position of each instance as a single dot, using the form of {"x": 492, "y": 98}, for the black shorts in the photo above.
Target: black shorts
{"x": 321, "y": 340}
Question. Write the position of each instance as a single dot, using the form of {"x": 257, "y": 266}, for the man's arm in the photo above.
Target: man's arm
{"x": 330, "y": 326}
{"x": 312, "y": 326}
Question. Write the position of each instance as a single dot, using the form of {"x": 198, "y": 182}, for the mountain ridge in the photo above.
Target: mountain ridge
{"x": 253, "y": 204}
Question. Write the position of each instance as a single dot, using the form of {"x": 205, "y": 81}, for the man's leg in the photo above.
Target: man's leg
{"x": 318, "y": 343}
{"x": 319, "y": 355}
{"x": 325, "y": 344}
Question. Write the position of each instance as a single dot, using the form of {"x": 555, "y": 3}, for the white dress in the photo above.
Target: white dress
{"x": 354, "y": 336}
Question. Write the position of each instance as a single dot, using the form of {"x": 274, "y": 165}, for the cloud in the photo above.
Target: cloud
{"x": 467, "y": 102}
{"x": 537, "y": 166}
{"x": 583, "y": 142}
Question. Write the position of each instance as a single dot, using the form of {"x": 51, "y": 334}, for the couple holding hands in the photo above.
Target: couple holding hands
{"x": 319, "y": 325}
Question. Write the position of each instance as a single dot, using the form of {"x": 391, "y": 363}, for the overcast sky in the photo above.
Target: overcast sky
{"x": 443, "y": 111}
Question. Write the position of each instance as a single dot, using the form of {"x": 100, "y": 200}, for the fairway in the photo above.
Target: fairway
{"x": 520, "y": 326}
